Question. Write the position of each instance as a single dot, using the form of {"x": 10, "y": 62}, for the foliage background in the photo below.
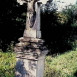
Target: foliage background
{"x": 59, "y": 29}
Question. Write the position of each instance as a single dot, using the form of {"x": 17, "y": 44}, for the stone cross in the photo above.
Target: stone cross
{"x": 33, "y": 19}
{"x": 30, "y": 51}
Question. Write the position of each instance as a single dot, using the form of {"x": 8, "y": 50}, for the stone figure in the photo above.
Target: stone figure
{"x": 32, "y": 6}
{"x": 31, "y": 14}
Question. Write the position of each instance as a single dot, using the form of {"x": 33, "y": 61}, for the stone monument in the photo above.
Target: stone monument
{"x": 30, "y": 51}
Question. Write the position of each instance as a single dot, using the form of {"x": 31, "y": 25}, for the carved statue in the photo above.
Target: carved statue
{"x": 31, "y": 14}
{"x": 31, "y": 22}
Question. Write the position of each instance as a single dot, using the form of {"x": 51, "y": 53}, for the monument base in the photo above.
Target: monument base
{"x": 32, "y": 33}
{"x": 30, "y": 67}
{"x": 30, "y": 54}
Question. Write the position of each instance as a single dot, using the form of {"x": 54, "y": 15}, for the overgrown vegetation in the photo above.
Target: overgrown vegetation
{"x": 7, "y": 64}
{"x": 63, "y": 65}
{"x": 59, "y": 29}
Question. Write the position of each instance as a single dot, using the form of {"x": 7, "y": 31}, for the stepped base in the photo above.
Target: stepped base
{"x": 30, "y": 46}
{"x": 30, "y": 54}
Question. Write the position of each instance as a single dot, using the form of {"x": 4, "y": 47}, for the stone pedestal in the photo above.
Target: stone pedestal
{"x": 30, "y": 57}
{"x": 32, "y": 33}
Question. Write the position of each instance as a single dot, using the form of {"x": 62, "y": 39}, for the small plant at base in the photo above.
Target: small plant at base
{"x": 11, "y": 47}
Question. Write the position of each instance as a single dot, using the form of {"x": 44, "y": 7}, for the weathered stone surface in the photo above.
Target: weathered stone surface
{"x": 18, "y": 49}
{"x": 38, "y": 34}
{"x": 20, "y": 44}
{"x": 26, "y": 68}
{"x": 36, "y": 40}
{"x": 30, "y": 66}
{"x": 40, "y": 66}
{"x": 34, "y": 45}
{"x": 30, "y": 33}
{"x": 30, "y": 53}
{"x": 24, "y": 39}
{"x": 30, "y": 39}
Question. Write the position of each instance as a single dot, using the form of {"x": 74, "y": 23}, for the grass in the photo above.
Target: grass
{"x": 64, "y": 65}
{"x": 7, "y": 64}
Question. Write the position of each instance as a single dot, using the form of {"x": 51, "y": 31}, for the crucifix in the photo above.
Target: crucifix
{"x": 30, "y": 51}
{"x": 33, "y": 19}
{"x": 31, "y": 14}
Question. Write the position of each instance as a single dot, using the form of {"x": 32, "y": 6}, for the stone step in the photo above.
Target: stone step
{"x": 28, "y": 39}
{"x": 21, "y": 44}
{"x": 36, "y": 40}
{"x": 18, "y": 49}
{"x": 23, "y": 39}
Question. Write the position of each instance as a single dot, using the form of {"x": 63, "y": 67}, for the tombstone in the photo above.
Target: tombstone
{"x": 30, "y": 51}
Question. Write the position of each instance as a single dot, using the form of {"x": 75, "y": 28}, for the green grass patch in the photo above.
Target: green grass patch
{"x": 64, "y": 65}
{"x": 7, "y": 64}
